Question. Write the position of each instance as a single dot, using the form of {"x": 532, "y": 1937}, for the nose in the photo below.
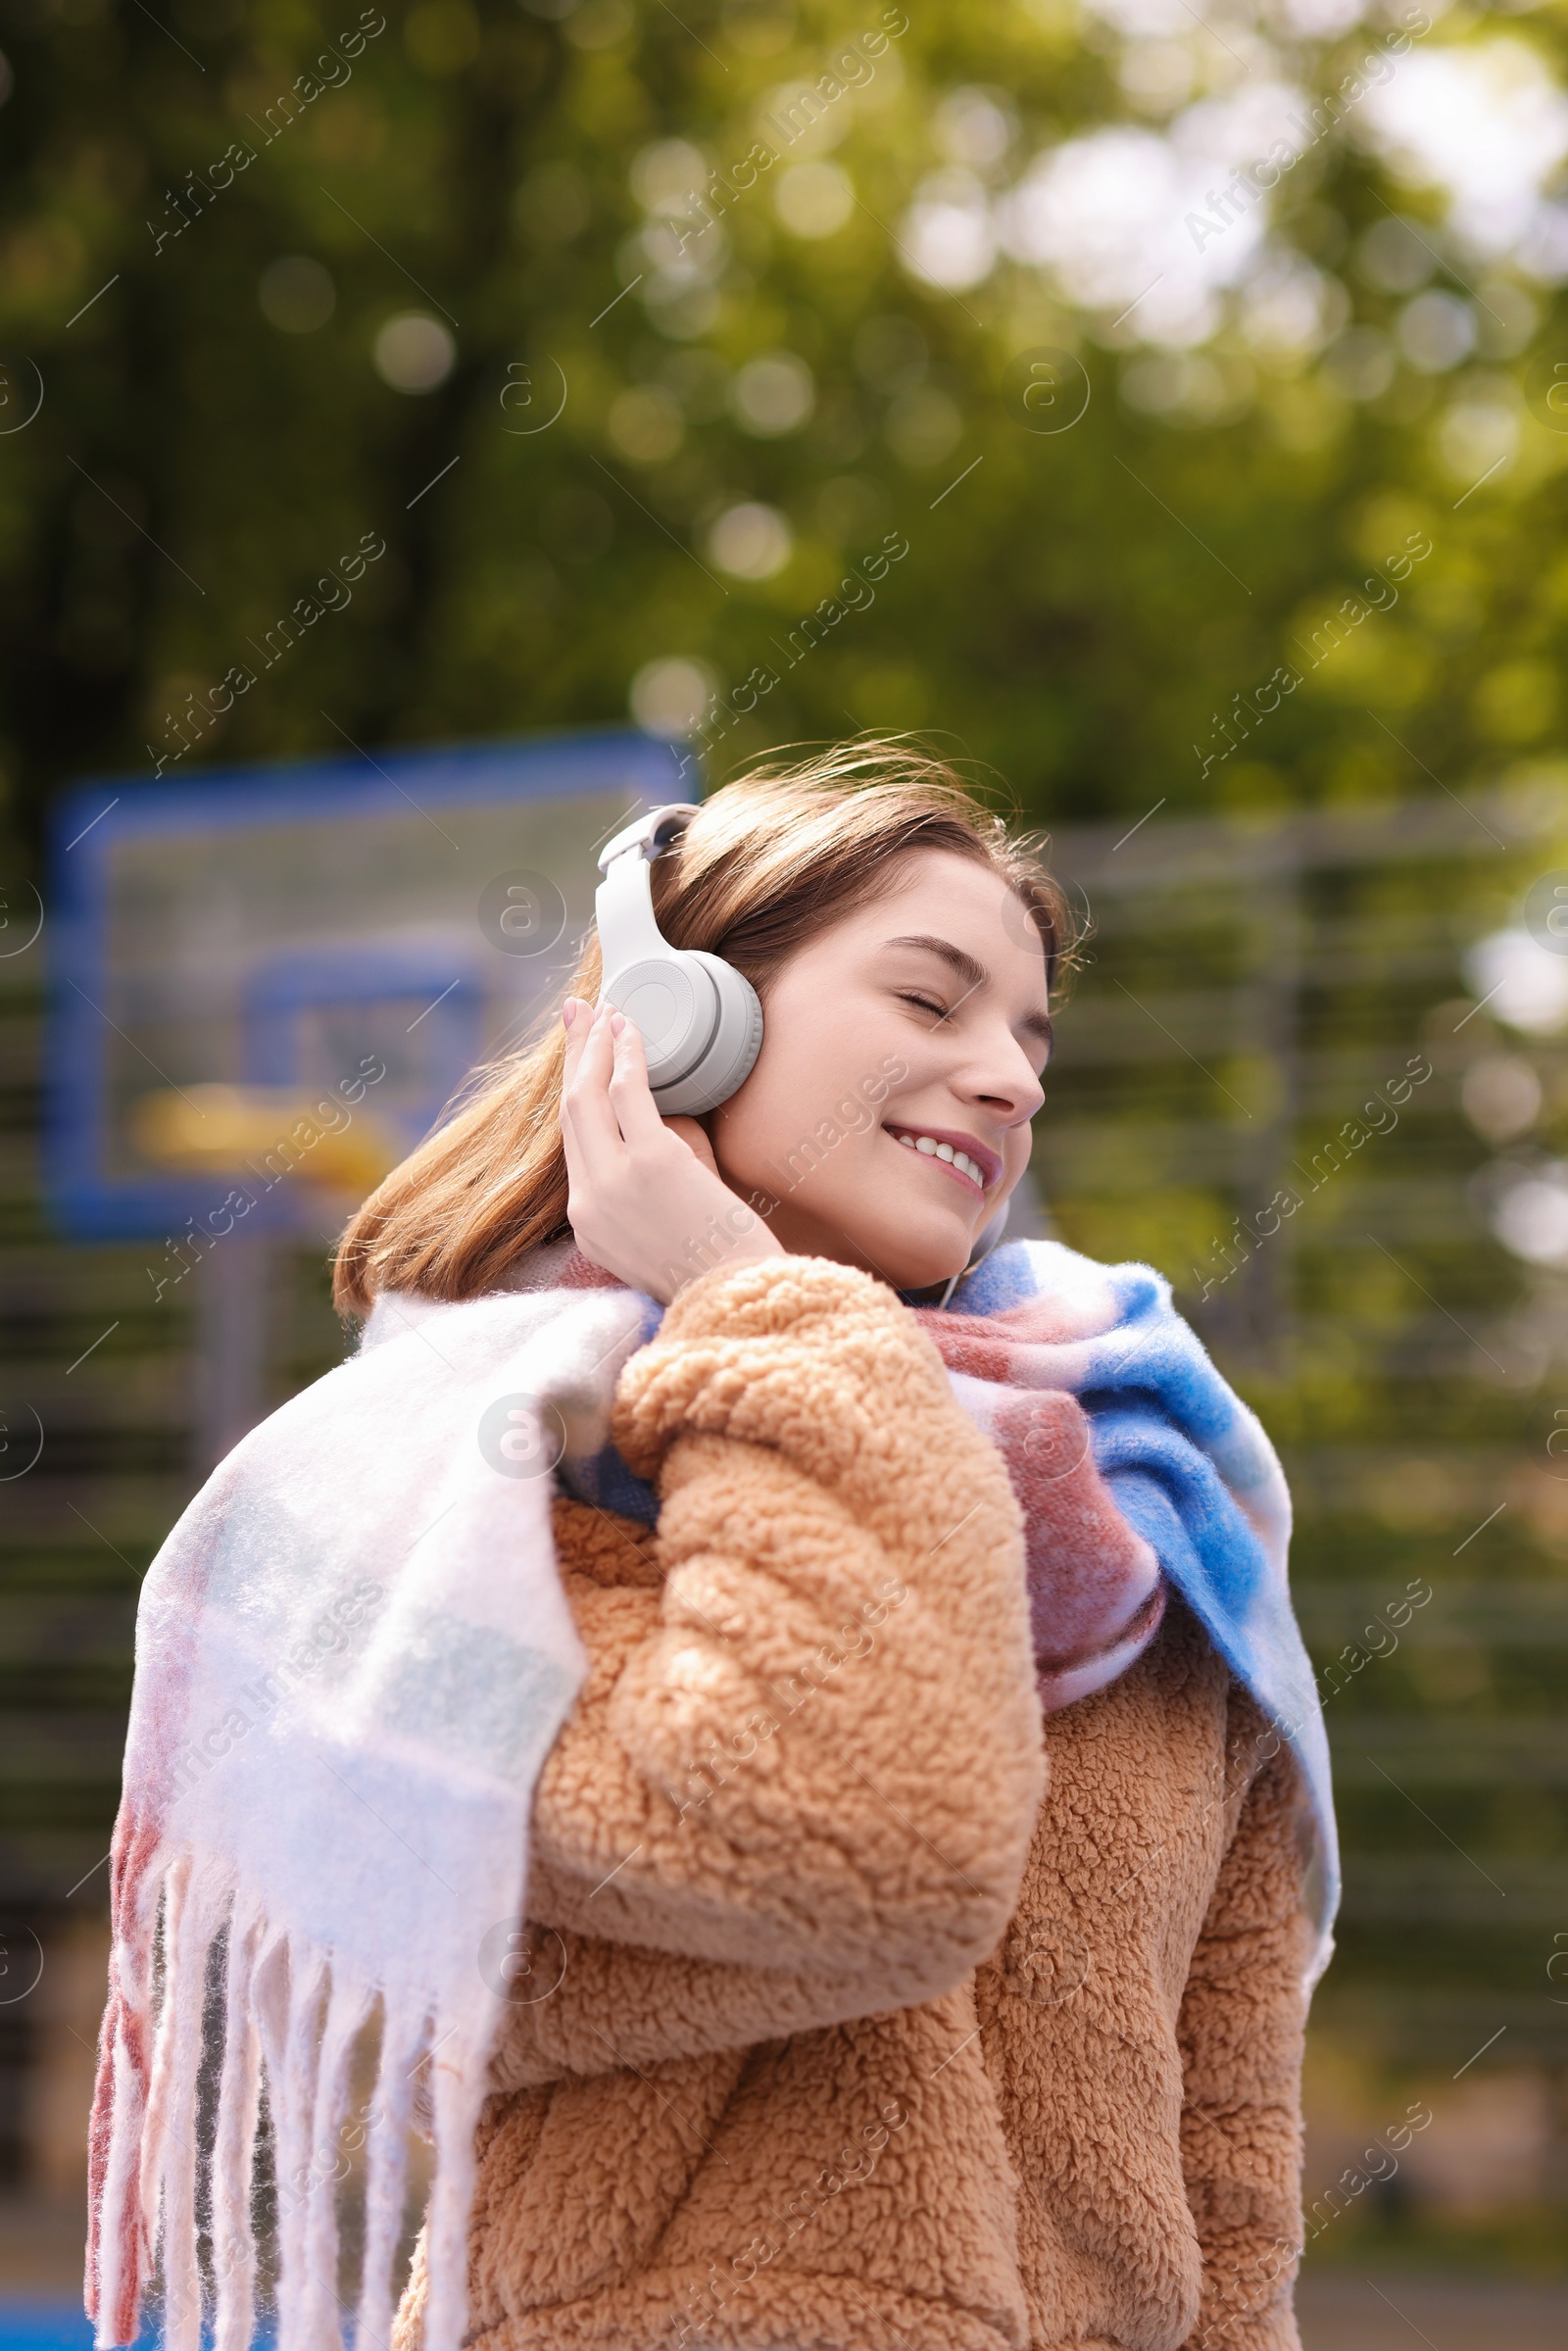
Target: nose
{"x": 1004, "y": 1080}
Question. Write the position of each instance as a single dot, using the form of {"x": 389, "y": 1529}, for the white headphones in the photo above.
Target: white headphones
{"x": 699, "y": 1018}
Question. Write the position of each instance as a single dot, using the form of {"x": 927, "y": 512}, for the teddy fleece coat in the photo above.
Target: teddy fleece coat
{"x": 856, "y": 2009}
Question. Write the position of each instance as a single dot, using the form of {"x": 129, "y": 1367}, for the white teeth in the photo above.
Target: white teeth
{"x": 933, "y": 1150}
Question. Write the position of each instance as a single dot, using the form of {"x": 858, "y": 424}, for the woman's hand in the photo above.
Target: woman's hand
{"x": 645, "y": 1200}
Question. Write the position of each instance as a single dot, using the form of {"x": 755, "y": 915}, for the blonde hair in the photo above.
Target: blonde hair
{"x": 769, "y": 863}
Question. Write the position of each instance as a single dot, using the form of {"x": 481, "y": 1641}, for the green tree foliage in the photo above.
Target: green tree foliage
{"x": 262, "y": 193}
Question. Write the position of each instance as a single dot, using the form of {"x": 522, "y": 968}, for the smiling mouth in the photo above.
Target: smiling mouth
{"x": 954, "y": 1163}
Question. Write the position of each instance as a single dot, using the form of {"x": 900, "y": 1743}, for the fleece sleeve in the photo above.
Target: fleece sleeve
{"x": 1241, "y": 2028}
{"x": 816, "y": 1751}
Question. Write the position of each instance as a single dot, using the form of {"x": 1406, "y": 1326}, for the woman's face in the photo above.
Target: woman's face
{"x": 888, "y": 1113}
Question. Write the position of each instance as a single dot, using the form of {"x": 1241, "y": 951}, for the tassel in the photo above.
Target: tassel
{"x": 175, "y": 1884}
{"x": 302, "y": 2073}
{"x": 287, "y": 2012}
{"x": 345, "y": 2018}
{"x": 175, "y": 2072}
{"x": 386, "y": 2170}
{"x": 458, "y": 2088}
{"x": 115, "y": 2284}
{"x": 116, "y": 2249}
{"x": 235, "y": 2150}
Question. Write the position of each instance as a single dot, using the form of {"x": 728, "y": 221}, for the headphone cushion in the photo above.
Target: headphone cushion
{"x": 732, "y": 1050}
{"x": 675, "y": 1010}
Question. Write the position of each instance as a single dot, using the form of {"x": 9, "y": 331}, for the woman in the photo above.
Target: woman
{"x": 856, "y": 2008}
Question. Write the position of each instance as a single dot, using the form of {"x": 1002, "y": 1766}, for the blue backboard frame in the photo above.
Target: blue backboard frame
{"x": 89, "y": 820}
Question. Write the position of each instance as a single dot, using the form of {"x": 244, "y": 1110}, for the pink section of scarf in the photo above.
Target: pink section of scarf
{"x": 1095, "y": 1593}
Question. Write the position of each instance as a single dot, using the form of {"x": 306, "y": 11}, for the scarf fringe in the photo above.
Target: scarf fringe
{"x": 291, "y": 2026}
{"x": 233, "y": 2152}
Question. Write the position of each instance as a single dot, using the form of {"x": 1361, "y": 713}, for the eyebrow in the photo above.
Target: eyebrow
{"x": 973, "y": 974}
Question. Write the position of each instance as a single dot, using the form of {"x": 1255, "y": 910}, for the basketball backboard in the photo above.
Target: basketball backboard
{"x": 230, "y": 948}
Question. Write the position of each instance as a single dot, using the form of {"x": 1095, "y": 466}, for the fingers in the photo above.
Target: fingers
{"x": 589, "y": 1128}
{"x": 694, "y": 1138}
{"x": 580, "y": 1021}
{"x": 629, "y": 1091}
{"x": 576, "y": 1018}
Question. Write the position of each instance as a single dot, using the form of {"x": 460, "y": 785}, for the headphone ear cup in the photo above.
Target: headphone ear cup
{"x": 730, "y": 1054}
{"x": 676, "y": 1008}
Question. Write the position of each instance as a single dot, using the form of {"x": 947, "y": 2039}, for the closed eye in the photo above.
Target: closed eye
{"x": 925, "y": 1003}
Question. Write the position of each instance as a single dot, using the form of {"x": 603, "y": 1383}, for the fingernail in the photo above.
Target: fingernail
{"x": 617, "y": 1021}
{"x": 568, "y": 1011}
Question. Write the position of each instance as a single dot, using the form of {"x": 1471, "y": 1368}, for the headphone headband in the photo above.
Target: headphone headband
{"x": 653, "y": 833}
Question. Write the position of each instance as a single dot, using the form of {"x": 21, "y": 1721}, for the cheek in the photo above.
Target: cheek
{"x": 756, "y": 1119}
{"x": 802, "y": 1077}
{"x": 1015, "y": 1150}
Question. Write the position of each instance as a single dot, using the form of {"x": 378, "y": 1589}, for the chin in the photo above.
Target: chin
{"x": 908, "y": 1239}
{"x": 914, "y": 1260}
